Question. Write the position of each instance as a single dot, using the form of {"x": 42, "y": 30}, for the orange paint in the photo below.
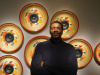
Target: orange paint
{"x": 11, "y": 30}
{"x": 83, "y": 56}
{"x": 60, "y": 20}
{"x": 69, "y": 28}
{"x": 1, "y": 71}
{"x": 68, "y": 21}
{"x": 7, "y": 43}
{"x": 10, "y": 62}
{"x": 4, "y": 34}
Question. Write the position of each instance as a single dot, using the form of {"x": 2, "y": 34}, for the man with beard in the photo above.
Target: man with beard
{"x": 54, "y": 56}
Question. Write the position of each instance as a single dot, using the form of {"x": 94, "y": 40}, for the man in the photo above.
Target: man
{"x": 54, "y": 56}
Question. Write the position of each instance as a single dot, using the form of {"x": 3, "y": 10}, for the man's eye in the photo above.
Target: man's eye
{"x": 53, "y": 27}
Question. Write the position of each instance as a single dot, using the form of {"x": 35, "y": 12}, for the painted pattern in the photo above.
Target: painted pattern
{"x": 29, "y": 12}
{"x": 69, "y": 21}
{"x": 3, "y": 34}
{"x": 32, "y": 51}
{"x": 2, "y": 66}
{"x": 84, "y": 51}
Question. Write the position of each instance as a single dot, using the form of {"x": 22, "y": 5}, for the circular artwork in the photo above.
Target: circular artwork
{"x": 97, "y": 52}
{"x": 84, "y": 52}
{"x": 30, "y": 47}
{"x": 10, "y": 65}
{"x": 69, "y": 21}
{"x": 11, "y": 37}
{"x": 33, "y": 17}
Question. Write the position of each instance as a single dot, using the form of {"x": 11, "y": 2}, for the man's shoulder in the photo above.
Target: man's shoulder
{"x": 43, "y": 43}
{"x": 68, "y": 45}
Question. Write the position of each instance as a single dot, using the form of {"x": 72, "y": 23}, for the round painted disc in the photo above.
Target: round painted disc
{"x": 69, "y": 21}
{"x": 8, "y": 62}
{"x": 11, "y": 37}
{"x": 84, "y": 52}
{"x": 30, "y": 47}
{"x": 97, "y": 52}
{"x": 33, "y": 17}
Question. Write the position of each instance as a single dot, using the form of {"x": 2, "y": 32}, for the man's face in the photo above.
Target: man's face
{"x": 56, "y": 31}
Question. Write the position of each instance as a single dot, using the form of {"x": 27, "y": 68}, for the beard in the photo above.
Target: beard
{"x": 56, "y": 37}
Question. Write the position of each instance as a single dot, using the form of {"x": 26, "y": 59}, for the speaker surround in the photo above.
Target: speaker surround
{"x": 65, "y": 24}
{"x": 34, "y": 18}
{"x": 78, "y": 53}
{"x": 8, "y": 69}
{"x": 9, "y": 37}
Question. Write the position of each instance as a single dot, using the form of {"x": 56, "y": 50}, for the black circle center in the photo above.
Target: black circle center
{"x": 33, "y": 18}
{"x": 78, "y": 53}
{"x": 9, "y": 37}
{"x": 8, "y": 69}
{"x": 65, "y": 24}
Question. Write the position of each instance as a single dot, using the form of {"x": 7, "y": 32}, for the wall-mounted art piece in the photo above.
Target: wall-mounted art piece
{"x": 11, "y": 37}
{"x": 33, "y": 17}
{"x": 97, "y": 53}
{"x": 84, "y": 52}
{"x": 69, "y": 21}
{"x": 30, "y": 47}
{"x": 10, "y": 65}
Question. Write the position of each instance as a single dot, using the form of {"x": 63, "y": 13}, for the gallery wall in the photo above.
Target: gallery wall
{"x": 87, "y": 12}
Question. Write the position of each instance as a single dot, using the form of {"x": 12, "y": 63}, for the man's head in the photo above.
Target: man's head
{"x": 56, "y": 30}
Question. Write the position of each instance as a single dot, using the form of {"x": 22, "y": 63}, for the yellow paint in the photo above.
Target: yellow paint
{"x": 41, "y": 14}
{"x": 16, "y": 65}
{"x": 85, "y": 49}
{"x": 15, "y": 41}
{"x": 1, "y": 39}
{"x": 14, "y": 72}
{"x": 26, "y": 19}
{"x": 40, "y": 20}
{"x": 83, "y": 56}
{"x": 31, "y": 53}
{"x": 98, "y": 50}
{"x": 17, "y": 34}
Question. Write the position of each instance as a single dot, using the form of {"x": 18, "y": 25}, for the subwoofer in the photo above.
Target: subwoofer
{"x": 33, "y": 17}
{"x": 69, "y": 21}
{"x": 84, "y": 52}
{"x": 11, "y": 37}
{"x": 30, "y": 47}
{"x": 10, "y": 65}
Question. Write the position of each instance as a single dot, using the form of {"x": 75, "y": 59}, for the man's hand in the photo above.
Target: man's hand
{"x": 42, "y": 63}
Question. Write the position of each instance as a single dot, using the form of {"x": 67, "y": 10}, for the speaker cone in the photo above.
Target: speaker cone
{"x": 65, "y": 24}
{"x": 8, "y": 69}
{"x": 34, "y": 18}
{"x": 9, "y": 37}
{"x": 78, "y": 53}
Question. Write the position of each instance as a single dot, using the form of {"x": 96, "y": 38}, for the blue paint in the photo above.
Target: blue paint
{"x": 84, "y": 52}
{"x": 75, "y": 45}
{"x": 80, "y": 58}
{"x": 12, "y": 43}
{"x": 70, "y": 24}
{"x": 16, "y": 68}
{"x": 34, "y": 45}
{"x": 16, "y": 37}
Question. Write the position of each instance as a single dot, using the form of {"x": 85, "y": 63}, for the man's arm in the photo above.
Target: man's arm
{"x": 69, "y": 69}
{"x": 36, "y": 62}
